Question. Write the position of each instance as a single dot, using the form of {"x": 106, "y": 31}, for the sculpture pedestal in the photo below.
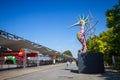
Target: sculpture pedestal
{"x": 90, "y": 63}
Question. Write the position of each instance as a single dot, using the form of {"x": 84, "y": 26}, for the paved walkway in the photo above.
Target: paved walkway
{"x": 18, "y": 72}
{"x": 56, "y": 72}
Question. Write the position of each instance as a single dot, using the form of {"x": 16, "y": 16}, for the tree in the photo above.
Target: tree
{"x": 101, "y": 43}
{"x": 98, "y": 43}
{"x": 68, "y": 52}
{"x": 108, "y": 42}
{"x": 113, "y": 21}
{"x": 92, "y": 44}
{"x": 113, "y": 17}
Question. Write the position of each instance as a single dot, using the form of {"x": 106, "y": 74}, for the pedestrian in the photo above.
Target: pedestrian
{"x": 77, "y": 63}
{"x": 67, "y": 64}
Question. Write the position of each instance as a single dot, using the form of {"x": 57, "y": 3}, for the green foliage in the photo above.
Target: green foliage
{"x": 108, "y": 42}
{"x": 117, "y": 64}
{"x": 113, "y": 16}
{"x": 68, "y": 52}
{"x": 113, "y": 21}
{"x": 104, "y": 44}
{"x": 91, "y": 44}
{"x": 107, "y": 60}
{"x": 99, "y": 43}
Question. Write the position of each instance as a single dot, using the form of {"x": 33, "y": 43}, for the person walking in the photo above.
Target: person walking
{"x": 67, "y": 64}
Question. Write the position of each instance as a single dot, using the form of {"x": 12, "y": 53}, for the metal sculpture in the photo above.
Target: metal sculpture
{"x": 86, "y": 28}
{"x": 83, "y": 21}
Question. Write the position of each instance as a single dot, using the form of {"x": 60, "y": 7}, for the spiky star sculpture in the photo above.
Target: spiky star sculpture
{"x": 82, "y": 22}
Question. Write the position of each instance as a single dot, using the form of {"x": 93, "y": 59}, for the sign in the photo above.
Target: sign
{"x": 14, "y": 53}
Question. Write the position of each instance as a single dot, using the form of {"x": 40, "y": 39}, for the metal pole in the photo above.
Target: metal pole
{"x": 113, "y": 60}
{"x": 25, "y": 56}
{"x": 38, "y": 60}
{"x": 78, "y": 62}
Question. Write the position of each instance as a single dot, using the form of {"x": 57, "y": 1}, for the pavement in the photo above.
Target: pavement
{"x": 56, "y": 72}
{"x": 5, "y": 74}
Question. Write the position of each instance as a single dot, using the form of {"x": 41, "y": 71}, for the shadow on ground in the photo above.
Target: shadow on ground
{"x": 74, "y": 71}
{"x": 65, "y": 69}
{"x": 110, "y": 74}
{"x": 11, "y": 69}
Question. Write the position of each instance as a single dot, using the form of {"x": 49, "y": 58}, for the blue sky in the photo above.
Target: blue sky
{"x": 47, "y": 22}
